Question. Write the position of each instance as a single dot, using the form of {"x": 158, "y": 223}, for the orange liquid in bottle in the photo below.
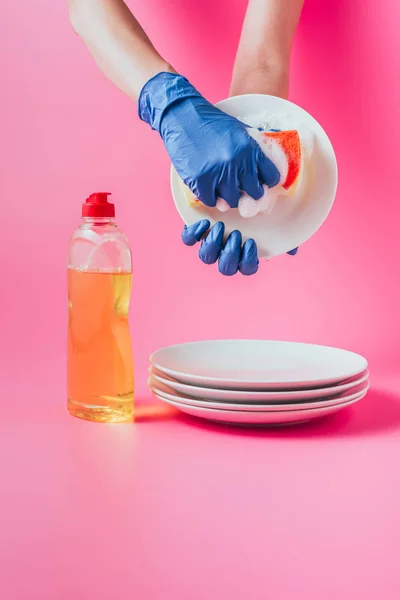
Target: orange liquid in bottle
{"x": 100, "y": 363}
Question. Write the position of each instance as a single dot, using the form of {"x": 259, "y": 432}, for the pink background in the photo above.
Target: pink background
{"x": 171, "y": 507}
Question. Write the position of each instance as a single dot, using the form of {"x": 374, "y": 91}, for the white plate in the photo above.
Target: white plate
{"x": 257, "y": 418}
{"x": 257, "y": 364}
{"x": 253, "y": 397}
{"x": 294, "y": 219}
{"x": 170, "y": 395}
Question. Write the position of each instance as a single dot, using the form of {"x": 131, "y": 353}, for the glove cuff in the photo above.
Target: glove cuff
{"x": 159, "y": 93}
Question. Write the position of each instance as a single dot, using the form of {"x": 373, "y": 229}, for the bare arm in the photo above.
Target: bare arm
{"x": 117, "y": 42}
{"x": 263, "y": 57}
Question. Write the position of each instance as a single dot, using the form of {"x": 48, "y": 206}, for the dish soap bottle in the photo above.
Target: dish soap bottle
{"x": 99, "y": 363}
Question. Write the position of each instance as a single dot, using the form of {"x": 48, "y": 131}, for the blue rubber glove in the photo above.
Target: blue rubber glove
{"x": 211, "y": 151}
{"x": 232, "y": 257}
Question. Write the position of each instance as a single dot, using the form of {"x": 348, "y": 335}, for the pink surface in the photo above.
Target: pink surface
{"x": 173, "y": 507}
{"x": 169, "y": 507}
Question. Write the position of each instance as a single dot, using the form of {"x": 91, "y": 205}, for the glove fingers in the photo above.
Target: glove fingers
{"x": 211, "y": 245}
{"x": 250, "y": 184}
{"x": 232, "y": 257}
{"x": 228, "y": 263}
{"x": 229, "y": 192}
{"x": 205, "y": 192}
{"x": 249, "y": 262}
{"x": 192, "y": 234}
{"x": 267, "y": 171}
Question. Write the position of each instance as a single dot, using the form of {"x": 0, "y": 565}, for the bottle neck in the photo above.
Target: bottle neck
{"x": 98, "y": 221}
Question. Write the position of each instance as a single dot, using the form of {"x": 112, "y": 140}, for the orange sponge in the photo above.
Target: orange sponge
{"x": 290, "y": 144}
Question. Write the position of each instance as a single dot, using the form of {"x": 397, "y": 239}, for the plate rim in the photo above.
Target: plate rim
{"x": 286, "y": 407}
{"x": 280, "y": 385}
{"x": 341, "y": 388}
{"x": 338, "y": 407}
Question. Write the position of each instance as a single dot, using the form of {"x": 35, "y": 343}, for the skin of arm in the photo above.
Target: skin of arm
{"x": 263, "y": 57}
{"x": 117, "y": 42}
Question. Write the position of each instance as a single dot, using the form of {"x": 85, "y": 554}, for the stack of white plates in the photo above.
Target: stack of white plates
{"x": 258, "y": 382}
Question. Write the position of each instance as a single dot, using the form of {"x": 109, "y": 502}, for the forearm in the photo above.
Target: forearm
{"x": 117, "y": 43}
{"x": 263, "y": 57}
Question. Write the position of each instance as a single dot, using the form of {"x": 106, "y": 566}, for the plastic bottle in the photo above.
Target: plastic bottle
{"x": 100, "y": 363}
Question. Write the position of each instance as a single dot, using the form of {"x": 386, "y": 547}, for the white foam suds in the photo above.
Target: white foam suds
{"x": 248, "y": 207}
{"x": 272, "y": 150}
{"x": 282, "y": 120}
{"x": 222, "y": 205}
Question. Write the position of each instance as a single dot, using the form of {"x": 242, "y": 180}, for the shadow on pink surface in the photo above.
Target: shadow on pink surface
{"x": 378, "y": 412}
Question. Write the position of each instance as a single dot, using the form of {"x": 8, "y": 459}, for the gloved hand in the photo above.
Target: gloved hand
{"x": 211, "y": 151}
{"x": 231, "y": 257}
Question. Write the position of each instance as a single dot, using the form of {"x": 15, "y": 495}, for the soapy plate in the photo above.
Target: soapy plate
{"x": 294, "y": 218}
